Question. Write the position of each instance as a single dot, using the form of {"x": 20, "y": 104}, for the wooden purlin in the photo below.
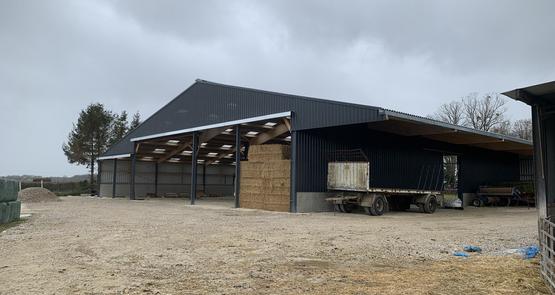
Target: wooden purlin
{"x": 273, "y": 133}
{"x": 204, "y": 137}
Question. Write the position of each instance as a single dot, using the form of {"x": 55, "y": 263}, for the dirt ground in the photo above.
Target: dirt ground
{"x": 114, "y": 246}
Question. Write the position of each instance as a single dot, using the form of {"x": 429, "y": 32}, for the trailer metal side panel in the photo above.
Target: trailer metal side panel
{"x": 349, "y": 176}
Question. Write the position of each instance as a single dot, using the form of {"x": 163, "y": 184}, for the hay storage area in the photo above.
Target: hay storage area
{"x": 266, "y": 178}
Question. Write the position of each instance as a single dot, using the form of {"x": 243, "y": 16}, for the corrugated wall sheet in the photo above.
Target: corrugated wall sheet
{"x": 398, "y": 161}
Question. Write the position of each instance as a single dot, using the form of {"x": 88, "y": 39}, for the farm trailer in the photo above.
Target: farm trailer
{"x": 351, "y": 183}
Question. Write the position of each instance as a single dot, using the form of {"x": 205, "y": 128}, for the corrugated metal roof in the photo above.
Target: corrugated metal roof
{"x": 534, "y": 93}
{"x": 206, "y": 103}
{"x": 430, "y": 121}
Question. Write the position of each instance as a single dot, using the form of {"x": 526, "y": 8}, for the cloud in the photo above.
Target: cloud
{"x": 58, "y": 56}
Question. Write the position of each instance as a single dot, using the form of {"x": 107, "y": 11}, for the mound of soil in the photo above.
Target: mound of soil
{"x": 37, "y": 195}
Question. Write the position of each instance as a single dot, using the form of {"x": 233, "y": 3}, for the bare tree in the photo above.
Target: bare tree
{"x": 504, "y": 128}
{"x": 452, "y": 112}
{"x": 484, "y": 113}
{"x": 523, "y": 129}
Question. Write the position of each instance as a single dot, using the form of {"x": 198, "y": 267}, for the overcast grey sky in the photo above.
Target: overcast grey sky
{"x": 58, "y": 56}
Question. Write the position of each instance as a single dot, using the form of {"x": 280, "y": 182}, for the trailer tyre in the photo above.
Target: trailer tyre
{"x": 337, "y": 207}
{"x": 477, "y": 203}
{"x": 430, "y": 205}
{"x": 378, "y": 208}
{"x": 346, "y": 208}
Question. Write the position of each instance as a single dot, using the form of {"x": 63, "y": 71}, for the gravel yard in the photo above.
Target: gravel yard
{"x": 116, "y": 246}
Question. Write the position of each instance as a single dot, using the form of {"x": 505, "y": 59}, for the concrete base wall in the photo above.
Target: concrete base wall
{"x": 313, "y": 202}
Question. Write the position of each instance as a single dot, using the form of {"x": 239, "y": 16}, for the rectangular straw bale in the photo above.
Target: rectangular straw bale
{"x": 251, "y": 165}
{"x": 251, "y": 200}
{"x": 275, "y": 173}
{"x": 252, "y": 189}
{"x": 252, "y": 169}
{"x": 251, "y": 181}
{"x": 268, "y": 152}
{"x": 277, "y": 207}
{"x": 269, "y": 149}
{"x": 266, "y": 184}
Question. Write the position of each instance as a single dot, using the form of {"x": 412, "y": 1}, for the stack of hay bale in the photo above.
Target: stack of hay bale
{"x": 265, "y": 178}
{"x": 10, "y": 207}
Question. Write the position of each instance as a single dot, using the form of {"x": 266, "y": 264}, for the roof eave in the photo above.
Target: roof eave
{"x": 391, "y": 113}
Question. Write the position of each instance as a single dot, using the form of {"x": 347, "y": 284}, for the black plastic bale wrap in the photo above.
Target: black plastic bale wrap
{"x": 15, "y": 210}
{"x": 10, "y": 207}
{"x": 4, "y": 213}
{"x": 8, "y": 190}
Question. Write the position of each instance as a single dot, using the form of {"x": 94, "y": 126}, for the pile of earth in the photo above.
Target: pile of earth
{"x": 37, "y": 195}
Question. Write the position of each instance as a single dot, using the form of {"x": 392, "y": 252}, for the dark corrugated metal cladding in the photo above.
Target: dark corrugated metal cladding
{"x": 399, "y": 161}
{"x": 312, "y": 153}
{"x": 207, "y": 103}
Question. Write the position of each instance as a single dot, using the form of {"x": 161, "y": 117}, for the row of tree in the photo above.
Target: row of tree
{"x": 487, "y": 113}
{"x": 97, "y": 128}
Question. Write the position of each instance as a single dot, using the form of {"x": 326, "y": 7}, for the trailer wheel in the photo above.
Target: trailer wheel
{"x": 346, "y": 208}
{"x": 379, "y": 206}
{"x": 477, "y": 203}
{"x": 337, "y": 208}
{"x": 368, "y": 210}
{"x": 430, "y": 205}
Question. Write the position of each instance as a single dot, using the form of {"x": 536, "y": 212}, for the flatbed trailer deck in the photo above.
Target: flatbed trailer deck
{"x": 350, "y": 182}
{"x": 378, "y": 201}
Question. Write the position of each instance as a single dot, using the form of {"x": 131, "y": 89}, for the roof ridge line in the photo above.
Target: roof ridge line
{"x": 296, "y": 96}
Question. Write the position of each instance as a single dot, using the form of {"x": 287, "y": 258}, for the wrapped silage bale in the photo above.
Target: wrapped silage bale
{"x": 4, "y": 213}
{"x": 15, "y": 210}
{"x": 8, "y": 190}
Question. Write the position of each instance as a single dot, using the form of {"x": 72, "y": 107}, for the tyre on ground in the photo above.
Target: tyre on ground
{"x": 347, "y": 208}
{"x": 378, "y": 206}
{"x": 430, "y": 204}
{"x": 477, "y": 203}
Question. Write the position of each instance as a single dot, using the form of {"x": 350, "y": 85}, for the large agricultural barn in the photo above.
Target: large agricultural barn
{"x": 224, "y": 129}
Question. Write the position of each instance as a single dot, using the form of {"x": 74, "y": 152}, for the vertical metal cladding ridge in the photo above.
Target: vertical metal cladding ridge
{"x": 9, "y": 211}
{"x": 8, "y": 190}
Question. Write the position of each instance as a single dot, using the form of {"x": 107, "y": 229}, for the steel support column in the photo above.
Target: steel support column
{"x": 194, "y": 165}
{"x": 204, "y": 178}
{"x": 293, "y": 204}
{"x": 237, "y": 182}
{"x": 539, "y": 159}
{"x": 156, "y": 179}
{"x": 114, "y": 178}
{"x": 98, "y": 179}
{"x": 132, "y": 180}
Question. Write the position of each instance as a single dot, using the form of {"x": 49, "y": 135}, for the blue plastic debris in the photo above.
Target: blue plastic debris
{"x": 529, "y": 252}
{"x": 470, "y": 248}
{"x": 461, "y": 254}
